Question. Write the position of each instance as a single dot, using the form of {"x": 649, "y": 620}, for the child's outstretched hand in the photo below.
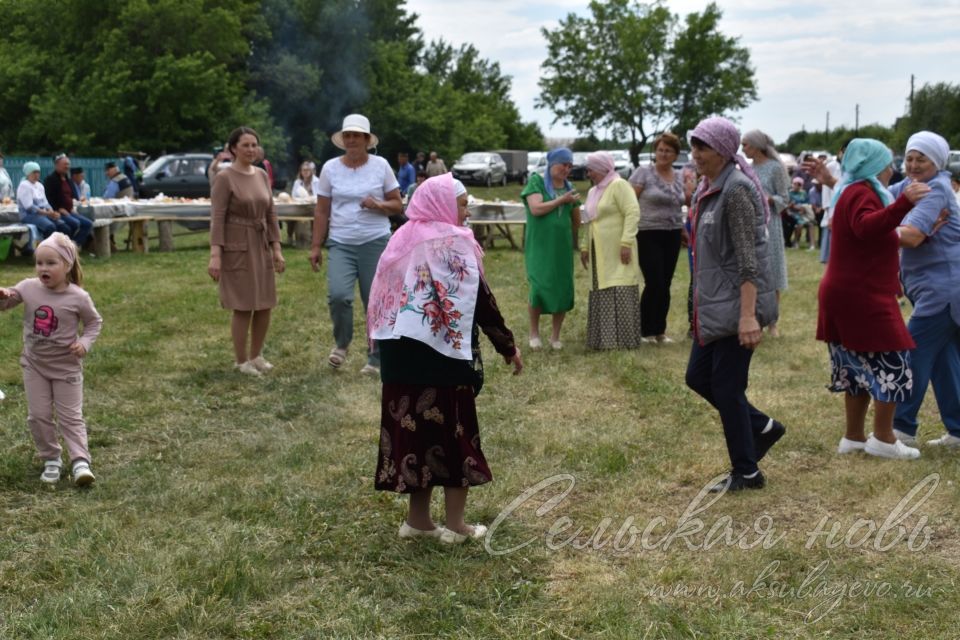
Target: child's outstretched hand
{"x": 78, "y": 349}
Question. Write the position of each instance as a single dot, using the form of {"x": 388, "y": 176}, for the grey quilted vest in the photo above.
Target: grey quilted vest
{"x": 716, "y": 287}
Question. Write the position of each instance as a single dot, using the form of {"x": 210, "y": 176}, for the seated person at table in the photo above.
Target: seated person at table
{"x": 33, "y": 206}
{"x": 118, "y": 185}
{"x": 60, "y": 196}
{"x": 421, "y": 178}
{"x": 81, "y": 190}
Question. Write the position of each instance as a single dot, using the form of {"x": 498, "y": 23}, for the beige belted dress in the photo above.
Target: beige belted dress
{"x": 243, "y": 221}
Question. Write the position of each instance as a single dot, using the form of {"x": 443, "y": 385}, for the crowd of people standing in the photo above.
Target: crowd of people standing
{"x": 426, "y": 297}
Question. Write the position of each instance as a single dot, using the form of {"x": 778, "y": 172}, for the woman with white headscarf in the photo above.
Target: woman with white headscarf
{"x": 609, "y": 247}
{"x": 930, "y": 271}
{"x": 773, "y": 177}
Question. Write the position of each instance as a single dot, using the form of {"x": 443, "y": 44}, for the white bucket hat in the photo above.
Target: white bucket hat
{"x": 355, "y": 122}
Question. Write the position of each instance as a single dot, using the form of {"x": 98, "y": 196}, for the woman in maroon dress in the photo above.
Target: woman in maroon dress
{"x": 859, "y": 316}
{"x": 427, "y": 302}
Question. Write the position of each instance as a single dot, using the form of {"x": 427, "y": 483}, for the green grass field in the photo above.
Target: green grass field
{"x": 230, "y": 507}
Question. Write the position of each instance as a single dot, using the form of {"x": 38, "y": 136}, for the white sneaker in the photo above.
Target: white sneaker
{"x": 248, "y": 368}
{"x": 664, "y": 339}
{"x": 452, "y": 537}
{"x": 895, "y": 451}
{"x": 905, "y": 438}
{"x": 82, "y": 476}
{"x": 850, "y": 446}
{"x": 536, "y": 344}
{"x": 261, "y": 365}
{"x": 556, "y": 345}
{"x": 947, "y": 441}
{"x": 51, "y": 471}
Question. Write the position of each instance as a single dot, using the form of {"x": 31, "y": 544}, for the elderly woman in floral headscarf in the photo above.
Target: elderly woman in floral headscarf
{"x": 609, "y": 247}
{"x": 733, "y": 296}
{"x": 930, "y": 269}
{"x": 859, "y": 316}
{"x": 427, "y": 302}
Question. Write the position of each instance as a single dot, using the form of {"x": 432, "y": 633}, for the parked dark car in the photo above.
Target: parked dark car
{"x": 482, "y": 167}
{"x": 179, "y": 175}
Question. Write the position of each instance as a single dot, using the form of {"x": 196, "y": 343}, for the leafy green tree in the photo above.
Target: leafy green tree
{"x": 631, "y": 68}
{"x": 148, "y": 75}
{"x": 936, "y": 107}
{"x": 175, "y": 75}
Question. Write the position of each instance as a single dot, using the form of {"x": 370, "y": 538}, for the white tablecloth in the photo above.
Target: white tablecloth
{"x": 122, "y": 209}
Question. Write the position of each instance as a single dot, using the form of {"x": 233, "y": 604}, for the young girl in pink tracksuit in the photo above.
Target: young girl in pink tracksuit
{"x": 54, "y": 308}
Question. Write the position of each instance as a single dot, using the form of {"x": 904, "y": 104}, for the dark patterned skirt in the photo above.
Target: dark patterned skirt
{"x": 613, "y": 316}
{"x": 429, "y": 437}
{"x": 885, "y": 375}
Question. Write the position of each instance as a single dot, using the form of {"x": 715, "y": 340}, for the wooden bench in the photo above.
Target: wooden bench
{"x": 137, "y": 238}
{"x": 13, "y": 229}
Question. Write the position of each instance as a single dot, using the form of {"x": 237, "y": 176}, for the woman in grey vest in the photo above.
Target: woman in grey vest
{"x": 733, "y": 296}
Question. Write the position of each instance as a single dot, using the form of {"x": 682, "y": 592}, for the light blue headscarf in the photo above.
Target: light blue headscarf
{"x": 862, "y": 161}
{"x": 561, "y": 155}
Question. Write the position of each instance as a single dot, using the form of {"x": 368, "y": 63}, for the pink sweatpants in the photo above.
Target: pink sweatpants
{"x": 66, "y": 396}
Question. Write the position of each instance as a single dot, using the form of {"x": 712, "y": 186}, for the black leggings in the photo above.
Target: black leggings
{"x": 657, "y": 252}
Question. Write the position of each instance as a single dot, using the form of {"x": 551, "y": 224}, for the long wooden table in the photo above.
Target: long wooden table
{"x": 490, "y": 220}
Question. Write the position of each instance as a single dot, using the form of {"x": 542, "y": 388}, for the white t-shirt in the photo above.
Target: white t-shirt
{"x": 826, "y": 197}
{"x": 347, "y": 188}
{"x": 300, "y": 191}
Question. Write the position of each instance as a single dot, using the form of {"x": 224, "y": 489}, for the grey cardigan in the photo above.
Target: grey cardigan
{"x": 717, "y": 272}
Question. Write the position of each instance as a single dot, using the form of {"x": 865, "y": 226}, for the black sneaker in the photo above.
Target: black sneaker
{"x": 764, "y": 441}
{"x": 737, "y": 482}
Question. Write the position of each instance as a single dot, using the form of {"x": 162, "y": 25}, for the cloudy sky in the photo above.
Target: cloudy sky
{"x": 810, "y": 56}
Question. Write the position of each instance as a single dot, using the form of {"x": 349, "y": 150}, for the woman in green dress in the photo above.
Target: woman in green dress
{"x": 553, "y": 222}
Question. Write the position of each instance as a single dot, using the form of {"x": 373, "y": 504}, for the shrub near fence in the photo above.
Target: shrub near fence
{"x": 92, "y": 169}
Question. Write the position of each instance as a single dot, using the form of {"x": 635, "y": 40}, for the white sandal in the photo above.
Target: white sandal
{"x": 261, "y": 364}
{"x": 337, "y": 357}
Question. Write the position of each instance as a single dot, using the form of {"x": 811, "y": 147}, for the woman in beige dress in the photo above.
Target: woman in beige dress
{"x": 245, "y": 249}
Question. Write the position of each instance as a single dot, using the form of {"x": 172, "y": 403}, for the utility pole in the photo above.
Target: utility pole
{"x": 911, "y": 94}
{"x": 856, "y": 126}
{"x": 826, "y": 131}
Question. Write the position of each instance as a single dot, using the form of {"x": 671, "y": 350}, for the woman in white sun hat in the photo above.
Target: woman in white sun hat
{"x": 358, "y": 192}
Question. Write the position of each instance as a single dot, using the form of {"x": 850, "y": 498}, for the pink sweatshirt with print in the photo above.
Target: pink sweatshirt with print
{"x": 52, "y": 319}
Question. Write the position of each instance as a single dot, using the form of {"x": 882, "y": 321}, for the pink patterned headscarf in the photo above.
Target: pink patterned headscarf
{"x": 601, "y": 162}
{"x": 724, "y": 138}
{"x": 63, "y": 245}
{"x": 428, "y": 277}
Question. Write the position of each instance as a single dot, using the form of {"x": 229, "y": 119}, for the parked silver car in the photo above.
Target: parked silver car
{"x": 481, "y": 168}
{"x": 621, "y": 160}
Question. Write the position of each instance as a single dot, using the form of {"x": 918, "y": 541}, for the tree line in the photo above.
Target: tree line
{"x": 159, "y": 76}
{"x": 934, "y": 107}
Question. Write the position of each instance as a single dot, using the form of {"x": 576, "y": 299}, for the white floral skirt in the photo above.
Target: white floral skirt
{"x": 885, "y": 375}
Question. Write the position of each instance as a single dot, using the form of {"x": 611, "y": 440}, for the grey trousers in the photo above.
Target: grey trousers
{"x": 346, "y": 265}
